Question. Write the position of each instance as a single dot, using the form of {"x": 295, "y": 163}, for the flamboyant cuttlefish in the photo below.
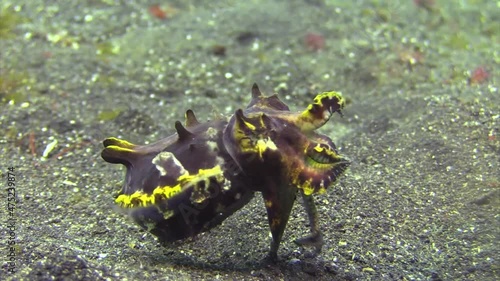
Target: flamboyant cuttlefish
{"x": 190, "y": 182}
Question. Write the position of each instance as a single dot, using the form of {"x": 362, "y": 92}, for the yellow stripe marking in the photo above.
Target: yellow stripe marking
{"x": 142, "y": 199}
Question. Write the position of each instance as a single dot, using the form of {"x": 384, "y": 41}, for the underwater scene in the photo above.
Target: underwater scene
{"x": 250, "y": 140}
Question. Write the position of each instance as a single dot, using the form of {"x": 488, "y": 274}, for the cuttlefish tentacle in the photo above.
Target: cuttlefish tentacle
{"x": 320, "y": 111}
